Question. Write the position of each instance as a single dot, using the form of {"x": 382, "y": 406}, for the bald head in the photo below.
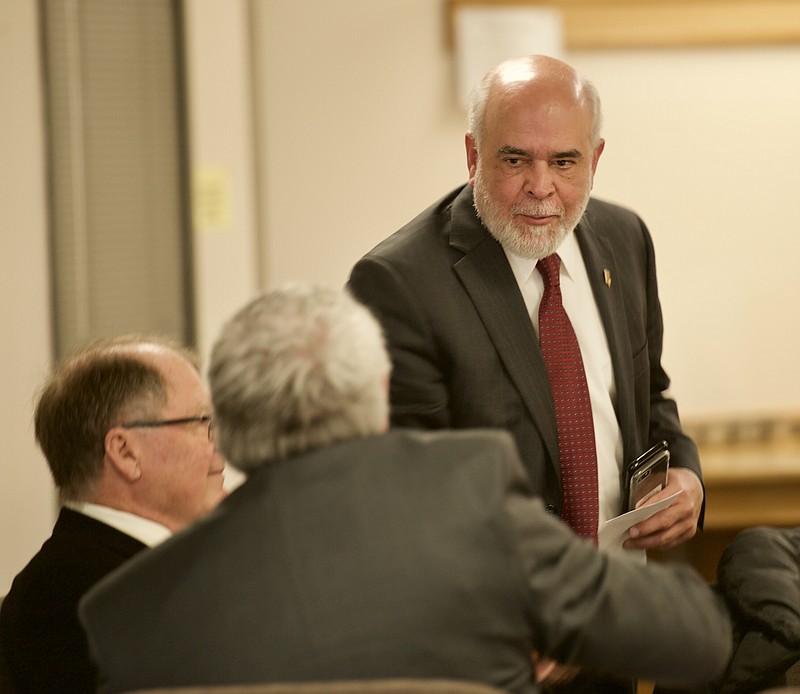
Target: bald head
{"x": 540, "y": 80}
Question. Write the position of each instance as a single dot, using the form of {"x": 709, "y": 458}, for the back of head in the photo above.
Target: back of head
{"x": 298, "y": 368}
{"x": 104, "y": 383}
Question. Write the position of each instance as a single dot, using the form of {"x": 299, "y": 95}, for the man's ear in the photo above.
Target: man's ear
{"x": 123, "y": 453}
{"x": 472, "y": 157}
{"x": 598, "y": 150}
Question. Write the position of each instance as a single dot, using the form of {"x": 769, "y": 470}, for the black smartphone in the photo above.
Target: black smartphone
{"x": 646, "y": 476}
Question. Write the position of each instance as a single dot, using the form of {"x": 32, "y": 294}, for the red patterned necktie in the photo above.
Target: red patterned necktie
{"x": 562, "y": 358}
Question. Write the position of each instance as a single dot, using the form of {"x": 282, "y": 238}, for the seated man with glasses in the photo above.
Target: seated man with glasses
{"x": 126, "y": 428}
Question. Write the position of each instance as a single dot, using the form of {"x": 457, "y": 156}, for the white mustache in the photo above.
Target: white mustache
{"x": 538, "y": 211}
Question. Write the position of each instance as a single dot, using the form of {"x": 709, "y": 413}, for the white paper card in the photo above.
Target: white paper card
{"x": 615, "y": 531}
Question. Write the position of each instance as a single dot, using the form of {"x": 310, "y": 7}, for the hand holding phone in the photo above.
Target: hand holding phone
{"x": 646, "y": 476}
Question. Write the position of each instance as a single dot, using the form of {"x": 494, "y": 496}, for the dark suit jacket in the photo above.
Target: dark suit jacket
{"x": 404, "y": 555}
{"x": 464, "y": 351}
{"x": 42, "y": 642}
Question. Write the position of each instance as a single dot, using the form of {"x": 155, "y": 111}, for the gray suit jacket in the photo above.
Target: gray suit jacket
{"x": 403, "y": 555}
{"x": 464, "y": 351}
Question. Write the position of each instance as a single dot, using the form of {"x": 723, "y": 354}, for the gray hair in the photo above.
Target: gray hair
{"x": 481, "y": 92}
{"x": 297, "y": 368}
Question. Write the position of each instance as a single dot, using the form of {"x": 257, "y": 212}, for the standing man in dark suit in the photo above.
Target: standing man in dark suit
{"x": 351, "y": 553}
{"x": 458, "y": 291}
{"x": 125, "y": 426}
{"x": 460, "y": 310}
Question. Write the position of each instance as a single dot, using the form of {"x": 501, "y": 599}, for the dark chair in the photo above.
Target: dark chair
{"x": 759, "y": 575}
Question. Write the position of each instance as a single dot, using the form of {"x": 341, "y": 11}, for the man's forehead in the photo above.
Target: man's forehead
{"x": 557, "y": 125}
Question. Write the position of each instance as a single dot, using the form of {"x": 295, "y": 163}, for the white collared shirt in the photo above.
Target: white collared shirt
{"x": 579, "y": 303}
{"x": 143, "y": 529}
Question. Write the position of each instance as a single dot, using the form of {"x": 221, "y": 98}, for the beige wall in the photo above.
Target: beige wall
{"x": 26, "y": 500}
{"x": 361, "y": 129}
{"x": 705, "y": 145}
{"x": 351, "y": 125}
{"x": 221, "y": 142}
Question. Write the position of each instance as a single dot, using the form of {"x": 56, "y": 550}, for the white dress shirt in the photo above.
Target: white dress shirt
{"x": 579, "y": 303}
{"x": 146, "y": 531}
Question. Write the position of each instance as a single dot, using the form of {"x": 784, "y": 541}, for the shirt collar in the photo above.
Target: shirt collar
{"x": 143, "y": 529}
{"x": 569, "y": 251}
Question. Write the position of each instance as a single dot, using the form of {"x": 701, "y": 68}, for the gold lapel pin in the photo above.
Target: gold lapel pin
{"x": 607, "y": 276}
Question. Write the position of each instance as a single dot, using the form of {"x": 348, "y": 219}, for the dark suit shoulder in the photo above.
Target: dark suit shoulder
{"x": 403, "y": 273}
{"x": 609, "y": 211}
{"x": 82, "y": 544}
{"x": 79, "y": 552}
{"x": 423, "y": 446}
{"x": 482, "y": 459}
{"x": 609, "y": 219}
{"x": 458, "y": 446}
{"x": 410, "y": 458}
{"x": 421, "y": 232}
{"x": 39, "y": 614}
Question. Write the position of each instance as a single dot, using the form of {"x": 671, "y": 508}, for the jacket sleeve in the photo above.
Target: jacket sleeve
{"x": 611, "y": 614}
{"x": 419, "y": 394}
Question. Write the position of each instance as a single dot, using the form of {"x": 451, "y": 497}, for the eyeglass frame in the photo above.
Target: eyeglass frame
{"x": 154, "y": 423}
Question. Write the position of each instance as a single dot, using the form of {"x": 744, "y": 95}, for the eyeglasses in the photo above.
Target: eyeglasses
{"x": 144, "y": 424}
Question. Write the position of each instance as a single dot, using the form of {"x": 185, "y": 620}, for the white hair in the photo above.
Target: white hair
{"x": 299, "y": 367}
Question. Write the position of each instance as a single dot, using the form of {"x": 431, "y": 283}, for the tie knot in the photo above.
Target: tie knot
{"x": 549, "y": 267}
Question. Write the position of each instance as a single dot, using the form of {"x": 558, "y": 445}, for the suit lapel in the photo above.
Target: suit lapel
{"x": 487, "y": 278}
{"x": 607, "y": 280}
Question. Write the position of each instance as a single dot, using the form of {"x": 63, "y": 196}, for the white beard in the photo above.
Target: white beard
{"x": 521, "y": 239}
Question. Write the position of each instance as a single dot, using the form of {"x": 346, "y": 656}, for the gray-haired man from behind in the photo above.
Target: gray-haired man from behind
{"x": 353, "y": 552}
